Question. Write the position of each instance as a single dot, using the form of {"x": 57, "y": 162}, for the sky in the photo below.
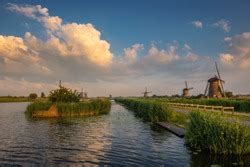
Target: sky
{"x": 121, "y": 47}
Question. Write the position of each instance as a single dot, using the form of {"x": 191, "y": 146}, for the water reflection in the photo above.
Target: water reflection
{"x": 118, "y": 138}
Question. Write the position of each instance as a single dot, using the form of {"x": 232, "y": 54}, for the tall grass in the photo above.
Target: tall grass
{"x": 96, "y": 106}
{"x": 38, "y": 106}
{"x": 152, "y": 110}
{"x": 210, "y": 131}
{"x": 239, "y": 105}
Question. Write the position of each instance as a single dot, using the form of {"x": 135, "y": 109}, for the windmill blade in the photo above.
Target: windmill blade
{"x": 217, "y": 70}
{"x": 221, "y": 81}
{"x": 206, "y": 89}
{"x": 186, "y": 84}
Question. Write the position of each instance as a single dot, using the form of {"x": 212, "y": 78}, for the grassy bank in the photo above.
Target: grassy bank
{"x": 14, "y": 99}
{"x": 154, "y": 111}
{"x": 239, "y": 105}
{"x": 91, "y": 107}
{"x": 209, "y": 131}
{"x": 204, "y": 131}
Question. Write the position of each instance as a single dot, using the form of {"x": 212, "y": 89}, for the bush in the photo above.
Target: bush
{"x": 42, "y": 95}
{"x": 33, "y": 96}
{"x": 64, "y": 95}
{"x": 209, "y": 131}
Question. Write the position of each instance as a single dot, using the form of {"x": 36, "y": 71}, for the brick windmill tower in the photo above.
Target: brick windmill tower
{"x": 145, "y": 94}
{"x": 214, "y": 88}
{"x": 185, "y": 91}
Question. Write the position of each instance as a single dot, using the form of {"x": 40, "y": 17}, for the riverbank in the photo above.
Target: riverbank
{"x": 84, "y": 108}
{"x": 206, "y": 131}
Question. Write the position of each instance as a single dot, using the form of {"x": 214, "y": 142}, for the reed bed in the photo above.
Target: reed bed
{"x": 213, "y": 132}
{"x": 38, "y": 106}
{"x": 239, "y": 105}
{"x": 152, "y": 110}
{"x": 92, "y": 107}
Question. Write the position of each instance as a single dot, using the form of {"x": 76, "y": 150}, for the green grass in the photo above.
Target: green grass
{"x": 97, "y": 106}
{"x": 154, "y": 111}
{"x": 210, "y": 131}
{"x": 14, "y": 99}
{"x": 38, "y": 106}
{"x": 239, "y": 105}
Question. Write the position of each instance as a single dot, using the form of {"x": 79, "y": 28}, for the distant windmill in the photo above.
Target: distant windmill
{"x": 186, "y": 90}
{"x": 214, "y": 86}
{"x": 84, "y": 94}
{"x": 145, "y": 94}
{"x": 60, "y": 84}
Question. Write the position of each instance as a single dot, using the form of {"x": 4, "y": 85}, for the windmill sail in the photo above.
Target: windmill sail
{"x": 220, "y": 80}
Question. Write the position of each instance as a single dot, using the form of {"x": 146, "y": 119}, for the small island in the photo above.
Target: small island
{"x": 64, "y": 102}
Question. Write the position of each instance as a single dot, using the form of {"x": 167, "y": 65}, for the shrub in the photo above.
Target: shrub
{"x": 209, "y": 131}
{"x": 33, "y": 96}
{"x": 42, "y": 95}
{"x": 65, "y": 95}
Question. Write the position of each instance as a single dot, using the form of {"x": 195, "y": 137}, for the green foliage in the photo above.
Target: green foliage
{"x": 149, "y": 110}
{"x": 33, "y": 96}
{"x": 38, "y": 106}
{"x": 239, "y": 105}
{"x": 42, "y": 95}
{"x": 64, "y": 95}
{"x": 96, "y": 106}
{"x": 209, "y": 131}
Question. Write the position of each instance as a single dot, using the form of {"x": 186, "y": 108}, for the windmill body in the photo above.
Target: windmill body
{"x": 185, "y": 91}
{"x": 214, "y": 88}
{"x": 145, "y": 94}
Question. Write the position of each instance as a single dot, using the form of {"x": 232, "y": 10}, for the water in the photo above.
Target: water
{"x": 118, "y": 138}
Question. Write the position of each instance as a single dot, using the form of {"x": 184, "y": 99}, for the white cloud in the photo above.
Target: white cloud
{"x": 72, "y": 39}
{"x": 197, "y": 24}
{"x": 131, "y": 52}
{"x": 226, "y": 58}
{"x": 223, "y": 24}
{"x": 238, "y": 55}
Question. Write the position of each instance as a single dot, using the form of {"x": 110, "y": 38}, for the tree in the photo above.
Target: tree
{"x": 65, "y": 95}
{"x": 42, "y": 95}
{"x": 33, "y": 96}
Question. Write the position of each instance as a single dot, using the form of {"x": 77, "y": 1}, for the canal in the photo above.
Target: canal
{"x": 118, "y": 138}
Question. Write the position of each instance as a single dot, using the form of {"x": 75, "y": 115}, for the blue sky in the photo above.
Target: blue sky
{"x": 124, "y": 23}
{"x": 150, "y": 23}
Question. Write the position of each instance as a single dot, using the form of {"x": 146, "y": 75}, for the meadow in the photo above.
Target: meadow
{"x": 239, "y": 105}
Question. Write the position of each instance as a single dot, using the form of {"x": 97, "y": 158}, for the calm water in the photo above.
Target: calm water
{"x": 118, "y": 138}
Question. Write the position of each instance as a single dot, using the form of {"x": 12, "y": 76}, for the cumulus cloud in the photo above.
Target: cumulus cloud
{"x": 223, "y": 24}
{"x": 197, "y": 24}
{"x": 131, "y": 52}
{"x": 239, "y": 51}
{"x": 72, "y": 39}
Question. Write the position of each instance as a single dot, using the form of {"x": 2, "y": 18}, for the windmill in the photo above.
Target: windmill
{"x": 145, "y": 94}
{"x": 186, "y": 90}
{"x": 84, "y": 94}
{"x": 214, "y": 86}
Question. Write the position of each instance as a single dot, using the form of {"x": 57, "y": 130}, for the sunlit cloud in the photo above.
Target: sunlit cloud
{"x": 223, "y": 24}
